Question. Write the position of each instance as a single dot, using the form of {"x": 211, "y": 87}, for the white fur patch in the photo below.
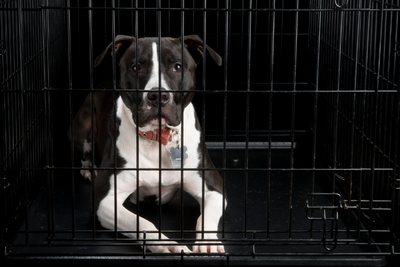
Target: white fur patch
{"x": 87, "y": 146}
{"x": 154, "y": 81}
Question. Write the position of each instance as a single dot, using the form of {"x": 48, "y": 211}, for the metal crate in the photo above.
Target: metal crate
{"x": 301, "y": 121}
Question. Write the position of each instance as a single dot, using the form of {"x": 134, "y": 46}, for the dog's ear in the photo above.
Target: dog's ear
{"x": 122, "y": 42}
{"x": 194, "y": 44}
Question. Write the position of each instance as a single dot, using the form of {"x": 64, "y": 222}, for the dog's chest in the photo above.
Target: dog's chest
{"x": 150, "y": 159}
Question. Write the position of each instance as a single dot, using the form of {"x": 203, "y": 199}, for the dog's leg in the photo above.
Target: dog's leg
{"x": 87, "y": 161}
{"x": 84, "y": 134}
{"x": 213, "y": 206}
{"x": 126, "y": 221}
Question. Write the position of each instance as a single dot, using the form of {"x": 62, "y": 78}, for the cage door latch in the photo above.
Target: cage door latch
{"x": 325, "y": 207}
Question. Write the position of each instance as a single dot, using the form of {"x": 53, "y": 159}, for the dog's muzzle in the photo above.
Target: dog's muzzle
{"x": 158, "y": 97}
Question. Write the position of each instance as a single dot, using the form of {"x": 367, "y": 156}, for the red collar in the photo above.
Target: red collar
{"x": 155, "y": 136}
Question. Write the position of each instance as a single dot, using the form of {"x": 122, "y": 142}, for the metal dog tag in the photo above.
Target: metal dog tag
{"x": 176, "y": 156}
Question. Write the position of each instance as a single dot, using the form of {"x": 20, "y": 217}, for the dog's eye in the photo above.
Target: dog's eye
{"x": 177, "y": 67}
{"x": 136, "y": 68}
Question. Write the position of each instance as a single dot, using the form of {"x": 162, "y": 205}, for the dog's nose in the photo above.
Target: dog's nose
{"x": 155, "y": 97}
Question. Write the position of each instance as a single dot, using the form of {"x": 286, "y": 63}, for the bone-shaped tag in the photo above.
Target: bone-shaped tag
{"x": 176, "y": 156}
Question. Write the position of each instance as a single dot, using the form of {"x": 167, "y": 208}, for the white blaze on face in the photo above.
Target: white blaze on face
{"x": 154, "y": 81}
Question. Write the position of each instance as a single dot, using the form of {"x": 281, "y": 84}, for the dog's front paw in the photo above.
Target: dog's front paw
{"x": 87, "y": 174}
{"x": 208, "y": 247}
{"x": 172, "y": 247}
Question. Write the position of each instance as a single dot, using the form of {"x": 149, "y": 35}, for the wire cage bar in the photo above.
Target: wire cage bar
{"x": 301, "y": 121}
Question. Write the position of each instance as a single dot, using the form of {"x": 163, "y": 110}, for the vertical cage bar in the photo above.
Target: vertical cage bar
{"x": 114, "y": 76}
{"x": 203, "y": 115}
{"x": 90, "y": 50}
{"x": 182, "y": 115}
{"x": 169, "y": 19}
{"x": 363, "y": 107}
{"x": 353, "y": 119}
{"x": 396, "y": 36}
{"x": 144, "y": 19}
{"x": 3, "y": 119}
{"x": 375, "y": 121}
{"x": 396, "y": 207}
{"x": 137, "y": 119}
{"x": 254, "y": 42}
{"x": 23, "y": 110}
{"x": 247, "y": 130}
{"x": 3, "y": 141}
{"x": 271, "y": 89}
{"x": 337, "y": 123}
{"x": 51, "y": 125}
{"x": 386, "y": 110}
{"x": 193, "y": 16}
{"x": 47, "y": 97}
{"x": 296, "y": 32}
{"x": 225, "y": 112}
{"x": 242, "y": 26}
{"x": 337, "y": 102}
{"x": 159, "y": 118}
{"x": 119, "y": 15}
{"x": 282, "y": 23}
{"x": 106, "y": 37}
{"x": 71, "y": 104}
{"x": 395, "y": 195}
{"x": 315, "y": 107}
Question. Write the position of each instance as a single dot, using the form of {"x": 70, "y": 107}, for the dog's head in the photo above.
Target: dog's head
{"x": 161, "y": 81}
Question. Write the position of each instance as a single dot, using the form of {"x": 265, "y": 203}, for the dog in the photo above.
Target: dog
{"x": 145, "y": 114}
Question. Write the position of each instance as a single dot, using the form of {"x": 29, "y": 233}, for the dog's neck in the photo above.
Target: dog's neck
{"x": 155, "y": 135}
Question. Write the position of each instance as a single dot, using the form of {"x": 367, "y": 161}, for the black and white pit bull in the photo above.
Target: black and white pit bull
{"x": 147, "y": 106}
